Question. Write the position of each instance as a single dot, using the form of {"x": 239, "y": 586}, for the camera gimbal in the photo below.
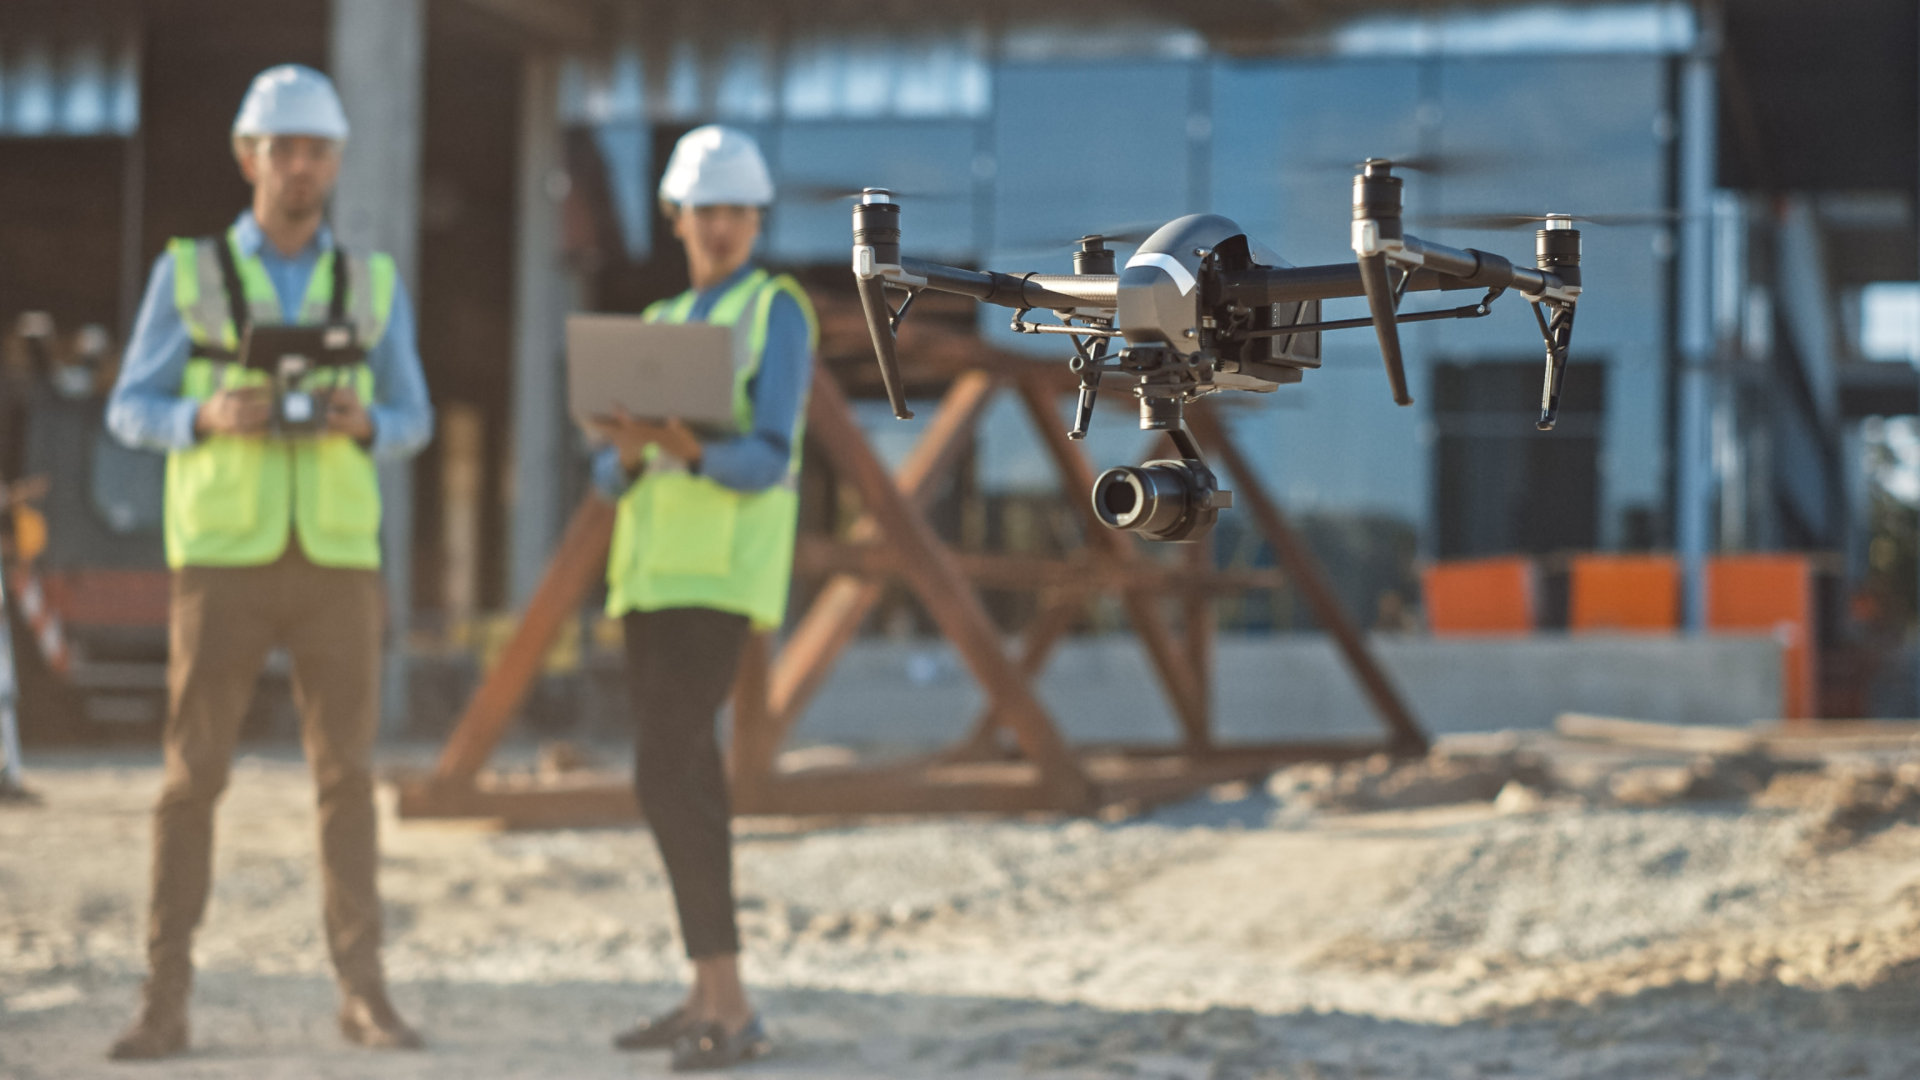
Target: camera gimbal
{"x": 1200, "y": 308}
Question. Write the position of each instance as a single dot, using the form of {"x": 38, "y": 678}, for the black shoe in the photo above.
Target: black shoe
{"x": 708, "y": 1046}
{"x": 659, "y": 1033}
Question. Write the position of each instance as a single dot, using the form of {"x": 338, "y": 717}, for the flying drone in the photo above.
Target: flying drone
{"x": 1200, "y": 308}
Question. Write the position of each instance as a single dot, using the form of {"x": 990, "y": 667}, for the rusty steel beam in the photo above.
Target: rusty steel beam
{"x": 1181, "y": 683}
{"x": 580, "y": 561}
{"x": 754, "y": 745}
{"x": 1304, "y": 568}
{"x": 1197, "y": 626}
{"x": 844, "y": 602}
{"x": 946, "y": 594}
{"x": 1056, "y": 616}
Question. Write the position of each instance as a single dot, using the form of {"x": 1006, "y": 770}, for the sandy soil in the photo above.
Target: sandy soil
{"x": 1239, "y": 936}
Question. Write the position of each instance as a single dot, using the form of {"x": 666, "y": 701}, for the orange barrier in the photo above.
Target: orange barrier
{"x": 1480, "y": 596}
{"x": 1772, "y": 594}
{"x": 1630, "y": 593}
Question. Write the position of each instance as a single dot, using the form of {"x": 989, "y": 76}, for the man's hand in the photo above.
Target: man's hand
{"x": 632, "y": 437}
{"x": 243, "y": 411}
{"x": 347, "y": 415}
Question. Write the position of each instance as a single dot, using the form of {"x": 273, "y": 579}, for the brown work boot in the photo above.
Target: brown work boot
{"x": 158, "y": 1033}
{"x": 369, "y": 1019}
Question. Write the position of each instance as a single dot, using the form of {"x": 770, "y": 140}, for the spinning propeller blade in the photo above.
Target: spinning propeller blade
{"x": 1517, "y": 221}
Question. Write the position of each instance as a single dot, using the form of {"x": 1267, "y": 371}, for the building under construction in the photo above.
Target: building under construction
{"x": 1750, "y": 166}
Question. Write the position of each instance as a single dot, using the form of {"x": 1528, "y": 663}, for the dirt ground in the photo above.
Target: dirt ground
{"x": 1255, "y": 933}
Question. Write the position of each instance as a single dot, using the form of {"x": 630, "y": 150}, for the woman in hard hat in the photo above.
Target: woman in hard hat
{"x": 702, "y": 554}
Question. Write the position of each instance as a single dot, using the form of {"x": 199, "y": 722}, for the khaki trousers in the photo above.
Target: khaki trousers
{"x": 222, "y": 623}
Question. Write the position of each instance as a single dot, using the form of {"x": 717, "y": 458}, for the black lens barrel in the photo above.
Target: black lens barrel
{"x": 1160, "y": 500}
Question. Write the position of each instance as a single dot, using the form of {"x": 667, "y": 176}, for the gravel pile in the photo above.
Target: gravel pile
{"x": 1589, "y": 885}
{"x": 1251, "y": 935}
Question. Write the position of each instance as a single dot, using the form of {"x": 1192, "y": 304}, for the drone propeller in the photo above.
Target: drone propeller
{"x": 1517, "y": 221}
{"x": 1126, "y": 233}
{"x": 1457, "y": 163}
{"x": 832, "y": 193}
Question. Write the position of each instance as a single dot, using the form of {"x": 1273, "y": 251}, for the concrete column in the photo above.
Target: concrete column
{"x": 1694, "y": 504}
{"x": 378, "y": 54}
{"x": 542, "y": 296}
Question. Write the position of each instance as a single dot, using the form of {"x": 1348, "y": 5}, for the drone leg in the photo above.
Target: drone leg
{"x": 1083, "y": 411}
{"x": 1088, "y": 368}
{"x": 1558, "y": 332}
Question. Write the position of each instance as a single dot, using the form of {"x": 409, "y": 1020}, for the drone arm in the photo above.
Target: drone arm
{"x": 1483, "y": 269}
{"x": 1057, "y": 292}
{"x": 1445, "y": 269}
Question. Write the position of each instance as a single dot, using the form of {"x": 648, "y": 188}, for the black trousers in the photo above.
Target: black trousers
{"x": 680, "y": 667}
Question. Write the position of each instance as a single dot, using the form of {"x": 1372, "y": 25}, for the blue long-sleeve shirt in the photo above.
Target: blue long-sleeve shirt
{"x": 146, "y": 410}
{"x": 758, "y": 459}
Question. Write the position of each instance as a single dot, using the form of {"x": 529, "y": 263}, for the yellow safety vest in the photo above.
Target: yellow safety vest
{"x": 682, "y": 540}
{"x": 234, "y": 501}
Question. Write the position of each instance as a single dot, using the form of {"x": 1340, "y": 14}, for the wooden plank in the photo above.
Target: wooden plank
{"x": 600, "y": 801}
{"x": 1822, "y": 730}
{"x": 946, "y": 594}
{"x": 844, "y": 602}
{"x": 1056, "y": 616}
{"x": 1305, "y": 569}
{"x": 1197, "y": 626}
{"x": 462, "y": 484}
{"x": 855, "y": 794}
{"x": 1270, "y": 754}
{"x": 1818, "y": 747}
{"x": 1689, "y": 738}
{"x": 579, "y": 562}
{"x": 1130, "y": 774}
{"x": 1025, "y": 573}
{"x": 1180, "y": 683}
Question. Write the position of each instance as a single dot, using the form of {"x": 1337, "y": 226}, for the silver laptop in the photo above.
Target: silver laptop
{"x": 654, "y": 370}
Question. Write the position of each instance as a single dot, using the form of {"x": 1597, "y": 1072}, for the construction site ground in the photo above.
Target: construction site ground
{"x": 1520, "y": 907}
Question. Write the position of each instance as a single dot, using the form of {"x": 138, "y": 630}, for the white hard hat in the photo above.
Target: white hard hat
{"x": 291, "y": 100}
{"x": 716, "y": 166}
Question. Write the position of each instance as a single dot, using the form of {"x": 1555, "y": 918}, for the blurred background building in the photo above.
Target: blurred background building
{"x": 1743, "y": 373}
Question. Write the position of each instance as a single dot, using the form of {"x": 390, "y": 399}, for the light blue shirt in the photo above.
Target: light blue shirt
{"x": 147, "y": 412}
{"x": 758, "y": 459}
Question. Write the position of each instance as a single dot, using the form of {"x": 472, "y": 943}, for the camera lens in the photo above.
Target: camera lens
{"x": 1155, "y": 499}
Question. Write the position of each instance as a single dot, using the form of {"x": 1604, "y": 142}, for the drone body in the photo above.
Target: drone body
{"x": 1200, "y": 308}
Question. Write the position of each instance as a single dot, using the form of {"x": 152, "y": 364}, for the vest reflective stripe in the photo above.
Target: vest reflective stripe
{"x": 682, "y": 540}
{"x": 235, "y": 501}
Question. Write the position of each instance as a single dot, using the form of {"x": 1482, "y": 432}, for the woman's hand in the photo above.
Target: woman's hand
{"x": 632, "y": 437}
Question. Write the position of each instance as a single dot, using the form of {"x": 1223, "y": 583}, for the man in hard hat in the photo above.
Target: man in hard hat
{"x": 272, "y": 530}
{"x": 702, "y": 554}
